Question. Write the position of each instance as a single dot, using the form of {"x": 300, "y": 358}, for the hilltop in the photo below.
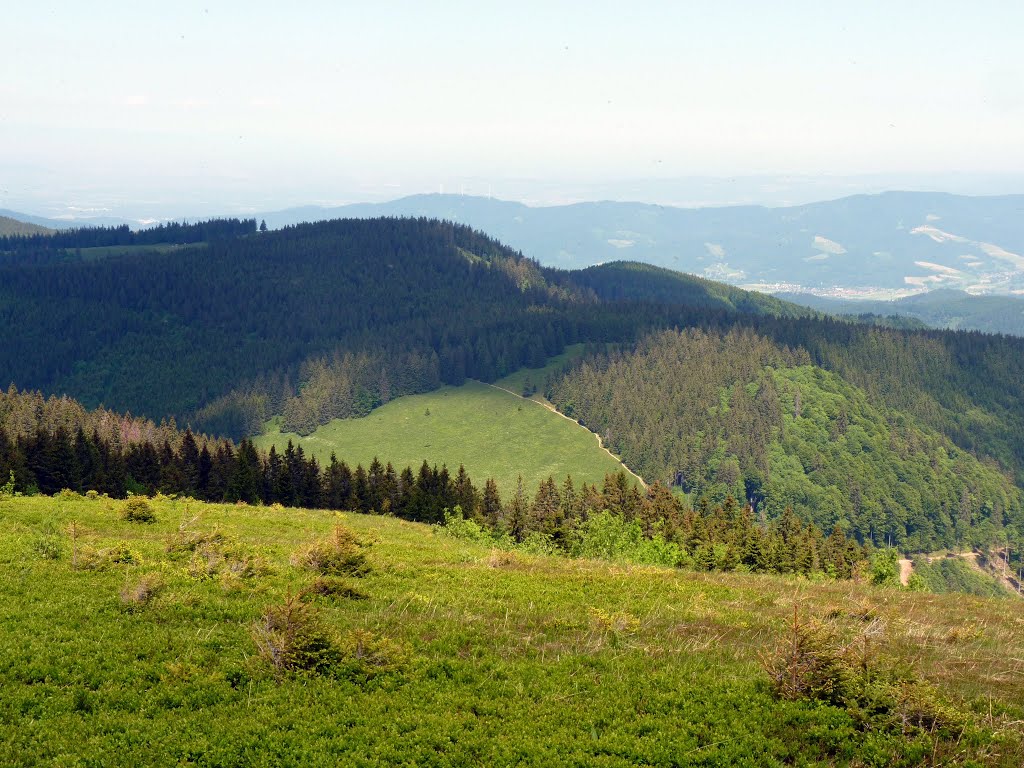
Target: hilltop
{"x": 142, "y": 643}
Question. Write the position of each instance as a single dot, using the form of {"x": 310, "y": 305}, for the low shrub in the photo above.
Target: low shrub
{"x": 221, "y": 557}
{"x": 190, "y": 541}
{"x": 290, "y": 638}
{"x": 365, "y": 654}
{"x": 92, "y": 559}
{"x": 138, "y": 510}
{"x": 457, "y": 526}
{"x": 811, "y": 664}
{"x": 607, "y": 536}
{"x": 48, "y": 546}
{"x": 340, "y": 555}
{"x": 141, "y": 592}
{"x": 808, "y": 664}
{"x": 334, "y": 587}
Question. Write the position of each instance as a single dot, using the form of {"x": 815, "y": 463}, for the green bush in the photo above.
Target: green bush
{"x": 138, "y": 510}
{"x": 139, "y": 593}
{"x": 812, "y": 664}
{"x": 607, "y": 536}
{"x": 458, "y": 526}
{"x": 290, "y": 638}
{"x": 340, "y": 555}
{"x": 332, "y": 586}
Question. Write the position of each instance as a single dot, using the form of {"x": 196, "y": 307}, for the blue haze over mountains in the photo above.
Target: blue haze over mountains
{"x": 864, "y": 245}
{"x": 879, "y": 246}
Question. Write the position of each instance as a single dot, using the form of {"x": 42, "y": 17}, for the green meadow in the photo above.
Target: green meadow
{"x": 133, "y": 643}
{"x": 534, "y": 377}
{"x": 491, "y": 432}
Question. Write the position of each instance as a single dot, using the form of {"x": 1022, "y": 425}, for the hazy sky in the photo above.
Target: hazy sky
{"x": 251, "y": 103}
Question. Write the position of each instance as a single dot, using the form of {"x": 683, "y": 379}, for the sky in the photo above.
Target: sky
{"x": 254, "y": 105}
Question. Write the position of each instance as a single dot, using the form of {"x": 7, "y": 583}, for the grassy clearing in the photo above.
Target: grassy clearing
{"x": 452, "y": 654}
{"x": 494, "y": 434}
{"x": 105, "y": 251}
{"x": 517, "y": 382}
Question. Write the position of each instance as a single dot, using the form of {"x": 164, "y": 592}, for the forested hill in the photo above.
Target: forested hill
{"x": 329, "y": 320}
{"x": 9, "y": 226}
{"x": 417, "y": 302}
{"x": 314, "y": 321}
{"x": 735, "y": 413}
{"x": 633, "y": 281}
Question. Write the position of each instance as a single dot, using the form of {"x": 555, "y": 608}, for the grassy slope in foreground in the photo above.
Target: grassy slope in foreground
{"x": 493, "y": 433}
{"x": 506, "y": 660}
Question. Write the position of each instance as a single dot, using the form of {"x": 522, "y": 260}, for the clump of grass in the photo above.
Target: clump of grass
{"x": 611, "y": 628}
{"x": 332, "y": 587}
{"x": 366, "y": 654}
{"x": 48, "y": 546}
{"x": 190, "y": 541}
{"x": 221, "y": 557}
{"x": 340, "y": 555}
{"x": 140, "y": 593}
{"x": 93, "y": 559}
{"x": 500, "y": 558}
{"x": 138, "y": 510}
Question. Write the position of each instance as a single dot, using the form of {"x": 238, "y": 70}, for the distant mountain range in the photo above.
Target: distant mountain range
{"x": 868, "y": 244}
{"x": 88, "y": 221}
{"x": 865, "y": 246}
{"x": 942, "y": 308}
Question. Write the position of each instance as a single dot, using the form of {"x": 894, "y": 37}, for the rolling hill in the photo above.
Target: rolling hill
{"x": 871, "y": 244}
{"x": 336, "y": 321}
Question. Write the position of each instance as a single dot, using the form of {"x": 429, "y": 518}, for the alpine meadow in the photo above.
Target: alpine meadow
{"x": 537, "y": 385}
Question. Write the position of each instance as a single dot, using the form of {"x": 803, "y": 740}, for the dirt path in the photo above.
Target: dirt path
{"x": 906, "y": 568}
{"x": 600, "y": 442}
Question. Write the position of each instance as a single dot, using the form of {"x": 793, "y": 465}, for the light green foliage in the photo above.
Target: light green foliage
{"x": 458, "y": 526}
{"x": 611, "y": 537}
{"x": 137, "y": 510}
{"x": 490, "y": 432}
{"x": 341, "y": 554}
{"x": 885, "y": 568}
{"x": 736, "y": 413}
{"x": 455, "y": 657}
{"x": 7, "y": 489}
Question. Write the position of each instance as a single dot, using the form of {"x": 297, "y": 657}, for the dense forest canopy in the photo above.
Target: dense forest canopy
{"x": 736, "y": 414}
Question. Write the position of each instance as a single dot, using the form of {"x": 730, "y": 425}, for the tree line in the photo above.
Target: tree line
{"x": 722, "y": 537}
